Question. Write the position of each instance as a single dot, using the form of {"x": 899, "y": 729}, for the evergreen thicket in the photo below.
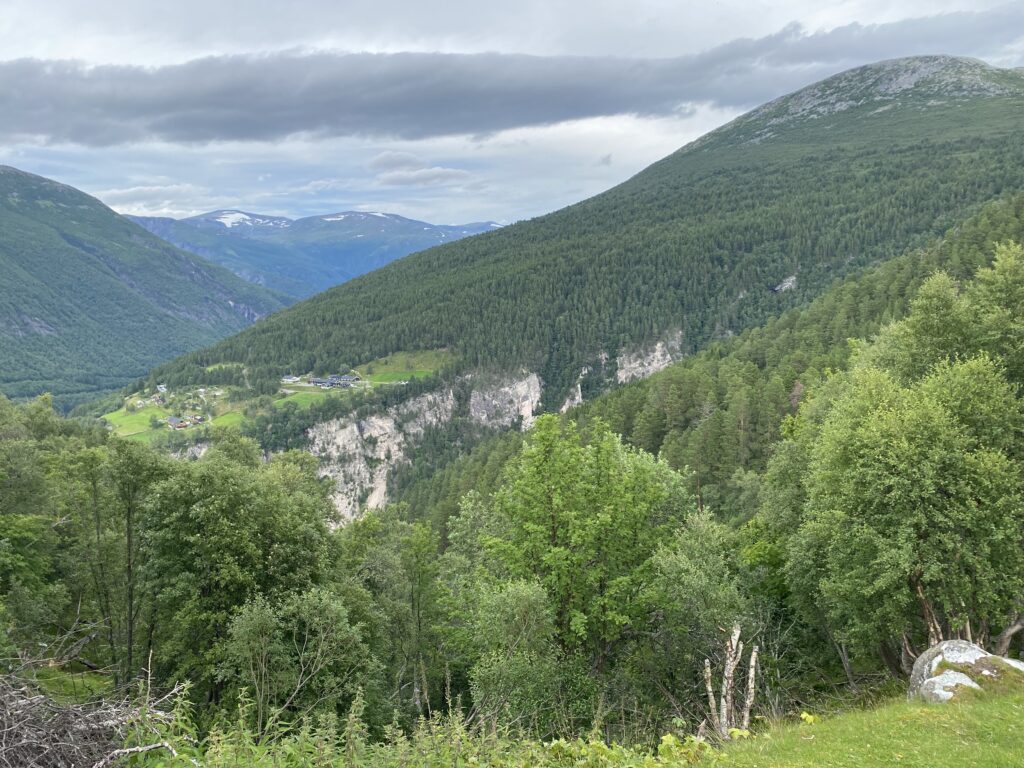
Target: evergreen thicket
{"x": 719, "y": 412}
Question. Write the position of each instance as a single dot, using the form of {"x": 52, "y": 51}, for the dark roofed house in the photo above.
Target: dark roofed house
{"x": 175, "y": 423}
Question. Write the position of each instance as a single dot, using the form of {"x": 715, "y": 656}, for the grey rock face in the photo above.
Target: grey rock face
{"x": 963, "y": 665}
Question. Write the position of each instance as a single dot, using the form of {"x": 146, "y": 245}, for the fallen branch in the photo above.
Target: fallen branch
{"x": 109, "y": 759}
{"x": 36, "y": 730}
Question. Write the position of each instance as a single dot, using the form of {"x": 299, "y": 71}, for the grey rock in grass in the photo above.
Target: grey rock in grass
{"x": 953, "y": 664}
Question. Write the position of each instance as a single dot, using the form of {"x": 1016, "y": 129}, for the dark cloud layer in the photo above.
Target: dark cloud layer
{"x": 421, "y": 95}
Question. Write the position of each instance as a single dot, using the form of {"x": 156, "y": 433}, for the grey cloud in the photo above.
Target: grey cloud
{"x": 425, "y": 177}
{"x": 421, "y": 95}
{"x": 393, "y": 161}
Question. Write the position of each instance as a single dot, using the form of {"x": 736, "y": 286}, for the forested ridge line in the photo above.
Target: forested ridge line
{"x": 720, "y": 411}
{"x": 697, "y": 243}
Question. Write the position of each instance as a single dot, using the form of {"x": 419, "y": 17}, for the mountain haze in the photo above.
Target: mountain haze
{"x": 300, "y": 257}
{"x": 90, "y": 300}
{"x": 757, "y": 216}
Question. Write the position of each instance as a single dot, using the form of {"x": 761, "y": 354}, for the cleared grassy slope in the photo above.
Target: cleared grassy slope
{"x": 983, "y": 732}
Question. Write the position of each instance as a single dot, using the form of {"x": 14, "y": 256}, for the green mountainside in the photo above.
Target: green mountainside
{"x": 300, "y": 257}
{"x": 719, "y": 413}
{"x": 90, "y": 300}
{"x": 754, "y": 218}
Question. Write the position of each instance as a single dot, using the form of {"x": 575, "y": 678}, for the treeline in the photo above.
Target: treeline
{"x": 696, "y": 243}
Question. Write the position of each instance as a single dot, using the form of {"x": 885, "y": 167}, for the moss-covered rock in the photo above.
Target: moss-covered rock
{"x": 952, "y": 667}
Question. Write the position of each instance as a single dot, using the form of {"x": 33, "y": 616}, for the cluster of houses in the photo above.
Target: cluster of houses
{"x": 174, "y": 422}
{"x": 331, "y": 382}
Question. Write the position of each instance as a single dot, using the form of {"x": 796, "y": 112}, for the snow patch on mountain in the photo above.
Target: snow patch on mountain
{"x": 233, "y": 219}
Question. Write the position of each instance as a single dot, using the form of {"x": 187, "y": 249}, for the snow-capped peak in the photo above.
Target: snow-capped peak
{"x": 234, "y": 218}
{"x": 356, "y": 214}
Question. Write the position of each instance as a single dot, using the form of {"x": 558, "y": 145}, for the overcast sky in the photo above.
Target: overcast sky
{"x": 450, "y": 112}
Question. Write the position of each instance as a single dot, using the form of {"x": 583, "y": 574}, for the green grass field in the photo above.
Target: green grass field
{"x": 985, "y": 731}
{"x": 306, "y": 397}
{"x": 403, "y": 366}
{"x": 229, "y": 419}
{"x": 127, "y": 424}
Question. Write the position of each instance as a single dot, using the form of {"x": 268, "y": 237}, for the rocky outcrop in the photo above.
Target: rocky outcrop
{"x": 786, "y": 285}
{"x": 639, "y": 364}
{"x": 575, "y": 396}
{"x": 359, "y": 454}
{"x": 952, "y": 666}
{"x": 192, "y": 451}
{"x": 503, "y": 404}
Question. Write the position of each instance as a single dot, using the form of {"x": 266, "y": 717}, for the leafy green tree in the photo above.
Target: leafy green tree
{"x": 912, "y": 528}
{"x": 219, "y": 532}
{"x": 518, "y": 678}
{"x": 693, "y": 591}
{"x": 296, "y": 658}
{"x": 395, "y": 565}
{"x": 585, "y": 515}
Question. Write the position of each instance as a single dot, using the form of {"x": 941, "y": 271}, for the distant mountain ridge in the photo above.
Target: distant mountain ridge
{"x": 89, "y": 300}
{"x": 302, "y": 256}
{"x": 918, "y": 83}
{"x": 755, "y": 217}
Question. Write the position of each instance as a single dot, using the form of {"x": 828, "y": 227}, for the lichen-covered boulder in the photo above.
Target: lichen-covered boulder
{"x": 951, "y": 666}
{"x": 943, "y": 686}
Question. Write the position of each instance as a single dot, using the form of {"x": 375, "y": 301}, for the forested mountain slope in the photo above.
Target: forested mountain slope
{"x": 758, "y": 216}
{"x": 90, "y": 300}
{"x": 300, "y": 257}
{"x": 718, "y": 413}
